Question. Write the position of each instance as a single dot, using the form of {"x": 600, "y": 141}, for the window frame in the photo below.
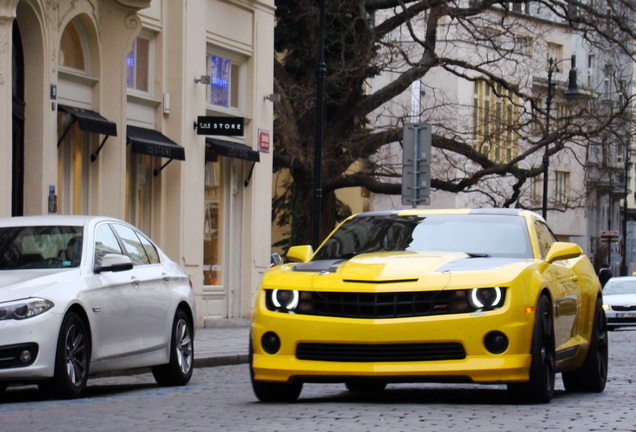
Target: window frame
{"x": 149, "y": 36}
{"x": 240, "y": 62}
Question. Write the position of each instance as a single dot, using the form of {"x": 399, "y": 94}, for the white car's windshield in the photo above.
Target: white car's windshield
{"x": 40, "y": 247}
{"x": 476, "y": 235}
{"x": 620, "y": 287}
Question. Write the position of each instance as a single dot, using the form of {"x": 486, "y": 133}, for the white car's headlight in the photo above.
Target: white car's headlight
{"x": 25, "y": 308}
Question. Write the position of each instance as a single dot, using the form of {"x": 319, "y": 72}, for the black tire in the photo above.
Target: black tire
{"x": 272, "y": 391}
{"x": 72, "y": 360}
{"x": 592, "y": 375}
{"x": 179, "y": 370}
{"x": 368, "y": 386}
{"x": 540, "y": 387}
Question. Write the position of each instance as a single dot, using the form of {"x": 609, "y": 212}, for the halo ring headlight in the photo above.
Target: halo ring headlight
{"x": 485, "y": 298}
{"x": 286, "y": 299}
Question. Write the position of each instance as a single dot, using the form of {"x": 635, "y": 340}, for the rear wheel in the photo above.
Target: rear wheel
{"x": 179, "y": 370}
{"x": 592, "y": 375}
{"x": 71, "y": 360}
{"x": 540, "y": 387}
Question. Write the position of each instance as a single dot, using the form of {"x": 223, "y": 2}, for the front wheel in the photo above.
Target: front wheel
{"x": 179, "y": 370}
{"x": 71, "y": 360}
{"x": 592, "y": 375}
{"x": 540, "y": 387}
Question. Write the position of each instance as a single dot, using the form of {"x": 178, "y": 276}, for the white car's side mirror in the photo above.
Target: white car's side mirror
{"x": 114, "y": 263}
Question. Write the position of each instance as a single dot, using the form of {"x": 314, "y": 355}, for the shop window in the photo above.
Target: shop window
{"x": 226, "y": 82}
{"x": 138, "y": 64}
{"x": 139, "y": 179}
{"x": 212, "y": 252}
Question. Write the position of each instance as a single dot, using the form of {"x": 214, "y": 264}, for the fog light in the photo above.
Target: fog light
{"x": 25, "y": 356}
{"x": 270, "y": 342}
{"x": 496, "y": 342}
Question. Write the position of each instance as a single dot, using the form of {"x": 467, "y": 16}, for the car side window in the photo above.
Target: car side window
{"x": 134, "y": 248}
{"x": 105, "y": 243}
{"x": 151, "y": 250}
{"x": 545, "y": 238}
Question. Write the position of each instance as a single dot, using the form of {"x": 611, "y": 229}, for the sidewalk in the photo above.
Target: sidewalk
{"x": 222, "y": 342}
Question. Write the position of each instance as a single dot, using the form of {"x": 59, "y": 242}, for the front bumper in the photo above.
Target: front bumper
{"x": 468, "y": 330}
{"x": 42, "y": 331}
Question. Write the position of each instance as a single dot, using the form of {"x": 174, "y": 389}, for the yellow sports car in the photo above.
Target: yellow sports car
{"x": 483, "y": 296}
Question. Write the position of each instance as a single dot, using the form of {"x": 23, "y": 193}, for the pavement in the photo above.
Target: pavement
{"x": 222, "y": 342}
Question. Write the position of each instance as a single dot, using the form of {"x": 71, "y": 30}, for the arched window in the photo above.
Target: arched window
{"x": 72, "y": 51}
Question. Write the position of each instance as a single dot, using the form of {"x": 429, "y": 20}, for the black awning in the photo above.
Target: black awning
{"x": 154, "y": 143}
{"x": 90, "y": 121}
{"x": 232, "y": 149}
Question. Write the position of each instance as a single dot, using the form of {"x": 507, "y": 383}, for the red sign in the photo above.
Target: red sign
{"x": 263, "y": 141}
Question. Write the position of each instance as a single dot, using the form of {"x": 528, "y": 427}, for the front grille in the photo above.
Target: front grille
{"x": 380, "y": 352}
{"x": 381, "y": 305}
{"x": 624, "y": 308}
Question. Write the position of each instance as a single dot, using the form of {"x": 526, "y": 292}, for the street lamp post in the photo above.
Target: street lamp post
{"x": 321, "y": 73}
{"x": 571, "y": 93}
{"x": 628, "y": 165}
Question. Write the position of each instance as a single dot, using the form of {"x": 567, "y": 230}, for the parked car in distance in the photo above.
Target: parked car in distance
{"x": 81, "y": 295}
{"x": 275, "y": 259}
{"x": 481, "y": 296}
{"x": 619, "y": 301}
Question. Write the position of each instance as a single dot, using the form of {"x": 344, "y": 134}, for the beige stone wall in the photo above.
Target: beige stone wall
{"x": 182, "y": 33}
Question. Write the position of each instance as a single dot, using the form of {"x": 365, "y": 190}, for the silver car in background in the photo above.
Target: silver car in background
{"x": 619, "y": 301}
{"x": 82, "y": 295}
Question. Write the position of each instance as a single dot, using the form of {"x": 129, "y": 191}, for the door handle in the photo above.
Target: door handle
{"x": 135, "y": 282}
{"x": 166, "y": 278}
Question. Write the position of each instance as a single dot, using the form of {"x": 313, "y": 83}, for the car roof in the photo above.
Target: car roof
{"x": 465, "y": 211}
{"x": 70, "y": 220}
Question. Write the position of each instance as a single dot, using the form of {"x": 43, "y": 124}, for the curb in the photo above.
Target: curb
{"x": 233, "y": 359}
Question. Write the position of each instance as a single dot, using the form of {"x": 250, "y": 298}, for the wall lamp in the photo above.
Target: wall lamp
{"x": 204, "y": 79}
{"x": 274, "y": 97}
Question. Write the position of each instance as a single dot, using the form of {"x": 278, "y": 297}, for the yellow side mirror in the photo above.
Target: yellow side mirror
{"x": 300, "y": 253}
{"x": 562, "y": 251}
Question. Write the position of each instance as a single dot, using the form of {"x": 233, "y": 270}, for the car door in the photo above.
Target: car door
{"x": 564, "y": 287}
{"x": 110, "y": 300}
{"x": 151, "y": 290}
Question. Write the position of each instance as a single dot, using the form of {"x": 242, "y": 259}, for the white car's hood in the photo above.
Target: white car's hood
{"x": 620, "y": 299}
{"x": 19, "y": 284}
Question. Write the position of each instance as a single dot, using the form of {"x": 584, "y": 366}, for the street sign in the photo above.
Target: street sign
{"x": 610, "y": 236}
{"x": 225, "y": 126}
{"x": 416, "y": 164}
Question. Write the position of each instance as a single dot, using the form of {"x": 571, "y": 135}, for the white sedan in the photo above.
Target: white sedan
{"x": 82, "y": 295}
{"x": 619, "y": 301}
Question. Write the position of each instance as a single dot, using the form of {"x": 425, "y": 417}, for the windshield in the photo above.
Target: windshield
{"x": 40, "y": 247}
{"x": 620, "y": 287}
{"x": 477, "y": 235}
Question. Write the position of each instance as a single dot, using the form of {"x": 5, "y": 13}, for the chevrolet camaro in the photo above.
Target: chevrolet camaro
{"x": 82, "y": 295}
{"x": 484, "y": 296}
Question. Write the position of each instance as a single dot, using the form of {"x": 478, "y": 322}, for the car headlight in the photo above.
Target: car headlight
{"x": 485, "y": 298}
{"x": 23, "y": 309}
{"x": 284, "y": 299}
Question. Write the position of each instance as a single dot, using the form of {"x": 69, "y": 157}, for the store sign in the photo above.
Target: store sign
{"x": 225, "y": 126}
{"x": 263, "y": 141}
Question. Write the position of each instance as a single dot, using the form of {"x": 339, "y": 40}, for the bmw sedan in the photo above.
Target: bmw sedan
{"x": 483, "y": 296}
{"x": 84, "y": 295}
{"x": 619, "y": 296}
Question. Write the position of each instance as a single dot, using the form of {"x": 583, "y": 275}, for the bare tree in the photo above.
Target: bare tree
{"x": 376, "y": 49}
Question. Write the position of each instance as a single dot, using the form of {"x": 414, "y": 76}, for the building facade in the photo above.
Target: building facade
{"x": 152, "y": 111}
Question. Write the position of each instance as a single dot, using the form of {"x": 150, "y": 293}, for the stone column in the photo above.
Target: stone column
{"x": 7, "y": 15}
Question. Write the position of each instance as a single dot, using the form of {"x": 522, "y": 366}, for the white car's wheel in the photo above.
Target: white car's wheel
{"x": 71, "y": 359}
{"x": 179, "y": 370}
